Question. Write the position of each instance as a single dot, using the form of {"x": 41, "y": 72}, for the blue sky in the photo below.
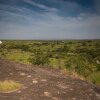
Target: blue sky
{"x": 49, "y": 19}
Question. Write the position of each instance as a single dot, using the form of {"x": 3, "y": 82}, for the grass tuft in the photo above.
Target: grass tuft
{"x": 9, "y": 85}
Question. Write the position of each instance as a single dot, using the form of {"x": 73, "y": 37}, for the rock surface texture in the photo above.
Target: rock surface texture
{"x": 44, "y": 84}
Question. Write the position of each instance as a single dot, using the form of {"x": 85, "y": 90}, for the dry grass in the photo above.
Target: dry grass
{"x": 71, "y": 74}
{"x": 9, "y": 85}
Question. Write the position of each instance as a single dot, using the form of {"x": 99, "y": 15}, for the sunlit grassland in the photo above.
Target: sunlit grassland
{"x": 57, "y": 63}
{"x": 16, "y": 55}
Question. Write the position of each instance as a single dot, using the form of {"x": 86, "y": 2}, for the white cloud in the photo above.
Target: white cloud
{"x": 53, "y": 26}
{"x": 41, "y": 6}
{"x": 27, "y": 24}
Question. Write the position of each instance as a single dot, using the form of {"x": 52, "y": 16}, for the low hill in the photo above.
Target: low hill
{"x": 41, "y": 83}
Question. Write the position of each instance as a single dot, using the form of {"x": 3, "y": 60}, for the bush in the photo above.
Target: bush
{"x": 80, "y": 64}
{"x": 39, "y": 59}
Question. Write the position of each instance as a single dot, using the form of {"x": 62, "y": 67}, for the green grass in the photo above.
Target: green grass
{"x": 56, "y": 63}
{"x": 18, "y": 56}
{"x": 95, "y": 78}
{"x": 9, "y": 85}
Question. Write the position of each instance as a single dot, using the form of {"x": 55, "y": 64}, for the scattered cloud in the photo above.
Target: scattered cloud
{"x": 42, "y": 6}
{"x": 54, "y": 26}
{"x": 23, "y": 22}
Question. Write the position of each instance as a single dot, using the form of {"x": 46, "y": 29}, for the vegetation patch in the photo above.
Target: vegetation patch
{"x": 9, "y": 86}
{"x": 79, "y": 57}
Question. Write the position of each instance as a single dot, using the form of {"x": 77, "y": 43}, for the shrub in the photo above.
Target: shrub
{"x": 39, "y": 59}
{"x": 80, "y": 64}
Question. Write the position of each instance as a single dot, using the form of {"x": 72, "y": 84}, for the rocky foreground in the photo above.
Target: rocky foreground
{"x": 44, "y": 84}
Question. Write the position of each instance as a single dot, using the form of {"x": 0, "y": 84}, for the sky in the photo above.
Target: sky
{"x": 49, "y": 19}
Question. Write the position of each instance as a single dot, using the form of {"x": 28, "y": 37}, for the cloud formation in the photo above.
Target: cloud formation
{"x": 42, "y": 6}
{"x": 40, "y": 20}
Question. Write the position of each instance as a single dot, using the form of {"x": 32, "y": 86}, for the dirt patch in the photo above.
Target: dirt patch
{"x": 44, "y": 84}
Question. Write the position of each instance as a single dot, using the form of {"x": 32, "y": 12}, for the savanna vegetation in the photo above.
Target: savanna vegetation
{"x": 81, "y": 57}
